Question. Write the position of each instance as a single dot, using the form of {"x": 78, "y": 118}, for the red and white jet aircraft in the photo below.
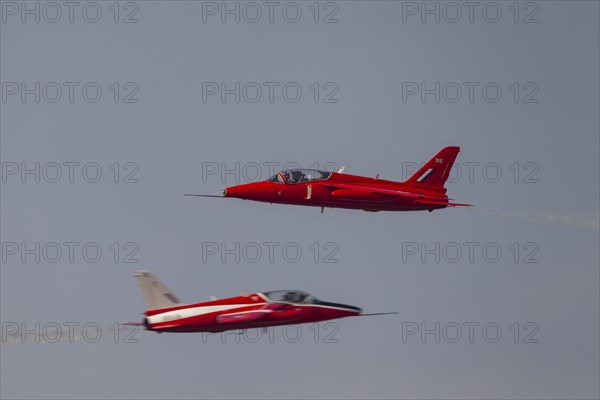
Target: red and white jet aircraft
{"x": 309, "y": 187}
{"x": 166, "y": 313}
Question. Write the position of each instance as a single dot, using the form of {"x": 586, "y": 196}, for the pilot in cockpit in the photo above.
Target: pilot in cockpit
{"x": 289, "y": 296}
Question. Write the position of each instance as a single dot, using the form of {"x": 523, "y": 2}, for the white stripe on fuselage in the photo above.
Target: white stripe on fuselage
{"x": 193, "y": 312}
{"x": 247, "y": 312}
{"x": 170, "y": 316}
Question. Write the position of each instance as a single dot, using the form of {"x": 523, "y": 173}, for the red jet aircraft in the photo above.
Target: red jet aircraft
{"x": 258, "y": 310}
{"x": 309, "y": 187}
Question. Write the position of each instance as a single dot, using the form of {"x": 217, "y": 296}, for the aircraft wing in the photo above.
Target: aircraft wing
{"x": 247, "y": 316}
{"x": 389, "y": 192}
{"x": 419, "y": 198}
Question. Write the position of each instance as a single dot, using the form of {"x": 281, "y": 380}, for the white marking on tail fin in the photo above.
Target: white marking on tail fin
{"x": 425, "y": 175}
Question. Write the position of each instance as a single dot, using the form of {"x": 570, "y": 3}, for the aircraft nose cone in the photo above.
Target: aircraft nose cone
{"x": 245, "y": 191}
{"x": 358, "y": 310}
{"x": 232, "y": 191}
{"x": 351, "y": 309}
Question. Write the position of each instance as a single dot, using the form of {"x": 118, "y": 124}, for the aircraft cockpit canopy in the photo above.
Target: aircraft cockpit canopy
{"x": 300, "y": 175}
{"x": 290, "y": 296}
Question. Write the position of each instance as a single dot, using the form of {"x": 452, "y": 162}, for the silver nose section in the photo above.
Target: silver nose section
{"x": 224, "y": 192}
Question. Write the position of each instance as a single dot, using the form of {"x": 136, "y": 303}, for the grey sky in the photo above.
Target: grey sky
{"x": 374, "y": 51}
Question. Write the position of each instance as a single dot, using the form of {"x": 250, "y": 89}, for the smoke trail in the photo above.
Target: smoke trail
{"x": 591, "y": 221}
{"x": 21, "y": 333}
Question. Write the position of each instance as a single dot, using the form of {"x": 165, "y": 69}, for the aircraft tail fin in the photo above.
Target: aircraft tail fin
{"x": 156, "y": 295}
{"x": 436, "y": 171}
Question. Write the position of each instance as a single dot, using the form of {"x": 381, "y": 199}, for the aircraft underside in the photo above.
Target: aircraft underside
{"x": 372, "y": 206}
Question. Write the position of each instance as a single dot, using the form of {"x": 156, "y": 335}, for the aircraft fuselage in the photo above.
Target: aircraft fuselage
{"x": 243, "y": 312}
{"x": 343, "y": 191}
